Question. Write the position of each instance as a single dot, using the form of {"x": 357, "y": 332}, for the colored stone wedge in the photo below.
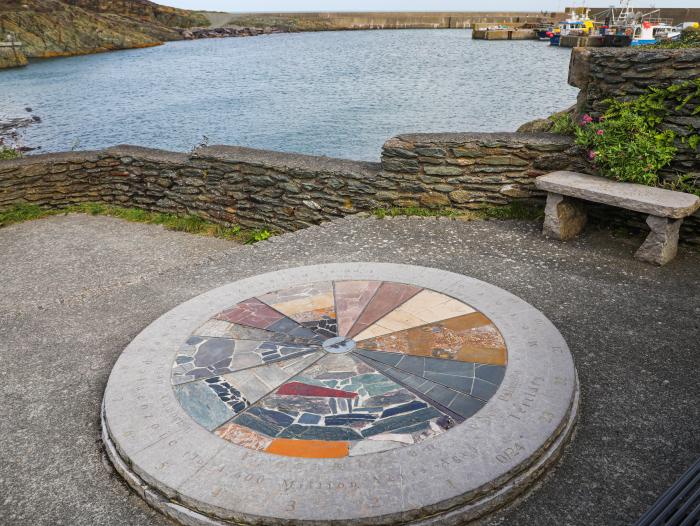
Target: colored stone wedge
{"x": 254, "y": 313}
{"x": 388, "y": 296}
{"x": 312, "y": 306}
{"x": 351, "y": 298}
{"x": 425, "y": 307}
{"x": 468, "y": 338}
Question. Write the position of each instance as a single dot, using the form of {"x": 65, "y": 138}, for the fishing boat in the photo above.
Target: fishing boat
{"x": 639, "y": 29}
{"x": 578, "y": 24}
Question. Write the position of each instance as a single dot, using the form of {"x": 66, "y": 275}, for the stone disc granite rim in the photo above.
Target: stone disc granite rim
{"x": 197, "y": 477}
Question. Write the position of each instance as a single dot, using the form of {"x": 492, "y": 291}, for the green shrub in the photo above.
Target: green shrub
{"x": 630, "y": 143}
{"x": 563, "y": 124}
{"x": 9, "y": 153}
{"x": 626, "y": 146}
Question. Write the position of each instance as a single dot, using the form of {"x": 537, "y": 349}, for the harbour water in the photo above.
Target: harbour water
{"x": 340, "y": 94}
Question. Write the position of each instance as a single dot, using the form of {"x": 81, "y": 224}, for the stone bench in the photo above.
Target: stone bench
{"x": 565, "y": 214}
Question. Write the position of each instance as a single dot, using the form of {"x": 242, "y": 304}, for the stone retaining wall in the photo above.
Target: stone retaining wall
{"x": 227, "y": 185}
{"x": 256, "y": 188}
{"x": 472, "y": 170}
{"x": 288, "y": 191}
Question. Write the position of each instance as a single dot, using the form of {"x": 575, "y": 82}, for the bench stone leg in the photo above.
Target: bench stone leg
{"x": 661, "y": 245}
{"x": 564, "y": 218}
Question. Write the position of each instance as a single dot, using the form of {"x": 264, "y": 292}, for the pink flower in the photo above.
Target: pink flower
{"x": 592, "y": 155}
{"x": 600, "y": 132}
{"x": 586, "y": 119}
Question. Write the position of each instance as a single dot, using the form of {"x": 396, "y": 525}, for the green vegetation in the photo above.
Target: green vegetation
{"x": 563, "y": 124}
{"x": 629, "y": 142}
{"x": 190, "y": 223}
{"x": 690, "y": 38}
{"x": 9, "y": 153}
{"x": 626, "y": 146}
{"x": 258, "y": 235}
{"x": 381, "y": 213}
{"x": 524, "y": 211}
{"x": 516, "y": 210}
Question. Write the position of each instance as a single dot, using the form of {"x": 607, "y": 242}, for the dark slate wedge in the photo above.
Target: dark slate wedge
{"x": 257, "y": 424}
{"x": 388, "y": 358}
{"x": 451, "y": 367}
{"x": 453, "y": 374}
{"x": 490, "y": 373}
{"x": 483, "y": 390}
{"x": 455, "y": 403}
{"x": 386, "y": 425}
{"x": 320, "y": 433}
{"x": 458, "y": 383}
{"x": 465, "y": 406}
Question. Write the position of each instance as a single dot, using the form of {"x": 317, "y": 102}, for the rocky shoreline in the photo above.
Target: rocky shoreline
{"x": 227, "y": 32}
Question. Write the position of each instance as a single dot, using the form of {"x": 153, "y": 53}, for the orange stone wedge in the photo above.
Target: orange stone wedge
{"x": 308, "y": 448}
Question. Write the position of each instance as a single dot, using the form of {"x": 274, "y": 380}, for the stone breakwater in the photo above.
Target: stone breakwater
{"x": 339, "y": 21}
{"x": 624, "y": 73}
{"x": 256, "y": 188}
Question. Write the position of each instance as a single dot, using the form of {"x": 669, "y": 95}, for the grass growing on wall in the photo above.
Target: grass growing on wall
{"x": 516, "y": 210}
{"x": 190, "y": 223}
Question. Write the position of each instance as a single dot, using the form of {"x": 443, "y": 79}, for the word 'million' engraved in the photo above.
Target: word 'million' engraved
{"x": 530, "y": 392}
{"x": 508, "y": 390}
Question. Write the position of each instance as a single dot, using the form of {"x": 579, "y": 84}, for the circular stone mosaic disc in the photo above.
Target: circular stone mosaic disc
{"x": 359, "y": 393}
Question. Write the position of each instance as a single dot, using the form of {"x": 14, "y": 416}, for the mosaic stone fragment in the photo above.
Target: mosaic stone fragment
{"x": 425, "y": 307}
{"x": 364, "y": 447}
{"x": 388, "y": 296}
{"x": 210, "y": 403}
{"x": 243, "y": 436}
{"x": 351, "y": 298}
{"x": 202, "y": 357}
{"x": 224, "y": 329}
{"x": 301, "y": 389}
{"x": 312, "y": 306}
{"x": 468, "y": 338}
{"x": 259, "y": 381}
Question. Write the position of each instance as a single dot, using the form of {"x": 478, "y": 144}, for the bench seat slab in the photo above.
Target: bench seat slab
{"x": 646, "y": 199}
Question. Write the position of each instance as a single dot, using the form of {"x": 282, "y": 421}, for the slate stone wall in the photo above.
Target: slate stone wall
{"x": 288, "y": 191}
{"x": 624, "y": 73}
{"x": 472, "y": 170}
{"x": 256, "y": 188}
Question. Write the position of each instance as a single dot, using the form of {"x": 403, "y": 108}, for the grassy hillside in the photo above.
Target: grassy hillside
{"x": 50, "y": 28}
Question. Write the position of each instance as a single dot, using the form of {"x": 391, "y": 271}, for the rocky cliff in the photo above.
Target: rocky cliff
{"x": 51, "y": 28}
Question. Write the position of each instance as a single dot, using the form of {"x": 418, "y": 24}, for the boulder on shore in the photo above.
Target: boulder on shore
{"x": 12, "y": 57}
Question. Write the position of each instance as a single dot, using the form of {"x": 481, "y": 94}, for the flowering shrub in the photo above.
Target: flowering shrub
{"x": 626, "y": 147}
